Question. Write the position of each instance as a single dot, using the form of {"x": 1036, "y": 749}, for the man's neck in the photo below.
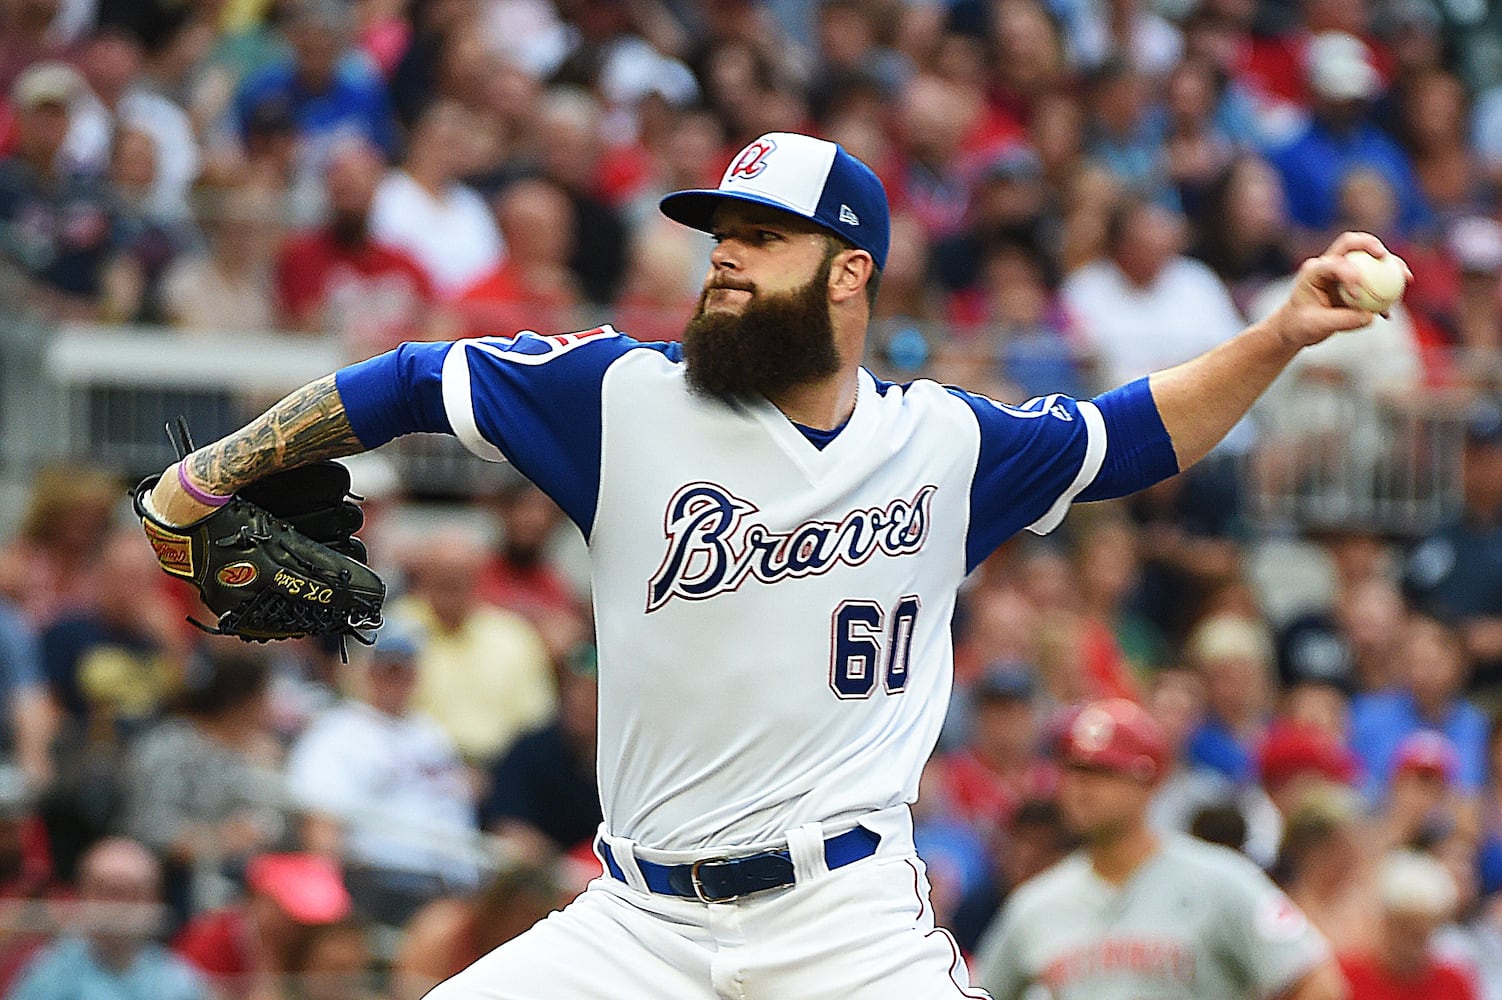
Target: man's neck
{"x": 823, "y": 405}
{"x": 1117, "y": 859}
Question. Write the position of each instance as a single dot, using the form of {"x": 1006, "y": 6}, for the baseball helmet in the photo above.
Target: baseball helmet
{"x": 1116, "y": 735}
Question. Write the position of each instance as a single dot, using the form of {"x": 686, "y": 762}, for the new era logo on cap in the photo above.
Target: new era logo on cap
{"x": 809, "y": 177}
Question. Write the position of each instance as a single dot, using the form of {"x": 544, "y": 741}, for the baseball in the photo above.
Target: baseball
{"x": 1382, "y": 282}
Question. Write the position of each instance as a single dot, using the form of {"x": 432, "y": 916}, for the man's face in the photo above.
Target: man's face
{"x": 763, "y": 322}
{"x": 1101, "y": 805}
{"x": 42, "y": 129}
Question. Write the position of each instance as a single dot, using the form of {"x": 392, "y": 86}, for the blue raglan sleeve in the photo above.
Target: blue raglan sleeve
{"x": 1038, "y": 458}
{"x": 530, "y": 400}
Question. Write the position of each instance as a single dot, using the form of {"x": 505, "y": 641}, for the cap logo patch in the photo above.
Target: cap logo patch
{"x": 848, "y": 217}
{"x": 1093, "y": 730}
{"x": 751, "y": 161}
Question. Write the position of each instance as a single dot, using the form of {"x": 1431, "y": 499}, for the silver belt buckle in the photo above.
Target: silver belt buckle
{"x": 698, "y": 886}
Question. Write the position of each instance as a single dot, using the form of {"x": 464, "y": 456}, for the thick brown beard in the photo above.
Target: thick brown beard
{"x": 776, "y": 343}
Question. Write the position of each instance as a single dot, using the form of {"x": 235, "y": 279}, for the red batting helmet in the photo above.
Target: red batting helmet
{"x": 1116, "y": 735}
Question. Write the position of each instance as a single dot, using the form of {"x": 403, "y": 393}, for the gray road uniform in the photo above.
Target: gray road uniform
{"x": 1195, "y": 921}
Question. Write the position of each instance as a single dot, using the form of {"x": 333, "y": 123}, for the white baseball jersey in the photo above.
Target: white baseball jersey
{"x": 1196, "y": 920}
{"x": 773, "y": 611}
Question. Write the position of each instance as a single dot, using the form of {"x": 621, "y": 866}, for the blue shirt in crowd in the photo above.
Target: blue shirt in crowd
{"x": 1383, "y": 720}
{"x": 68, "y": 970}
{"x": 1315, "y": 164}
{"x": 355, "y": 103}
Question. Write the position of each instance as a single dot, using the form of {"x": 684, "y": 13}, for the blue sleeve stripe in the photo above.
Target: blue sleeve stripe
{"x": 395, "y": 393}
{"x": 1141, "y": 451}
{"x": 1095, "y": 453}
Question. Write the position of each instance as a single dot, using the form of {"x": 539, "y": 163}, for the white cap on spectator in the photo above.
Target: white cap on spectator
{"x": 46, "y": 83}
{"x": 1410, "y": 882}
{"x": 1230, "y": 637}
{"x": 1476, "y": 244}
{"x": 1340, "y": 67}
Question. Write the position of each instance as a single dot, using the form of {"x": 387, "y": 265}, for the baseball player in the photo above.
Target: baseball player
{"x": 776, "y": 539}
{"x": 1138, "y": 914}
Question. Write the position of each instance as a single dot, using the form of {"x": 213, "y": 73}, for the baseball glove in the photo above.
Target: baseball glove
{"x": 279, "y": 561}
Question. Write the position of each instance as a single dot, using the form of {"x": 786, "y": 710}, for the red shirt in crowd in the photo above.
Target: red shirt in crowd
{"x": 1369, "y": 980}
{"x": 505, "y": 301}
{"x": 217, "y": 943}
{"x": 374, "y": 296}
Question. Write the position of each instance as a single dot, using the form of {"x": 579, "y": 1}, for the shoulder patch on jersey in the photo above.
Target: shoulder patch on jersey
{"x": 532, "y": 348}
{"x": 1038, "y": 406}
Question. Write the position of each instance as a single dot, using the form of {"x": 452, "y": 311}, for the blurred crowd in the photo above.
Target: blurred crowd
{"x": 1083, "y": 191}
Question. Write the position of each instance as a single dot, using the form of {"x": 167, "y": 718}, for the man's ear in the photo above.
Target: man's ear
{"x": 848, "y": 274}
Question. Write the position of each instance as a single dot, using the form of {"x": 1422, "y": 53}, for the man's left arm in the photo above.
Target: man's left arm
{"x": 1200, "y": 400}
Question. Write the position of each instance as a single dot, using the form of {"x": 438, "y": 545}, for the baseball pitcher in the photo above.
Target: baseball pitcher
{"x": 776, "y": 539}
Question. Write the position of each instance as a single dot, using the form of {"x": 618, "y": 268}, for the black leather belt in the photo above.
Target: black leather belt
{"x": 720, "y": 880}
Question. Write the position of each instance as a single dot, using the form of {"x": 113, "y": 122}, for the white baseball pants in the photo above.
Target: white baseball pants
{"x": 862, "y": 932}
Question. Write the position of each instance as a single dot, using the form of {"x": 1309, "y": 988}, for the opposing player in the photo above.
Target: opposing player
{"x": 1136, "y": 914}
{"x": 776, "y": 540}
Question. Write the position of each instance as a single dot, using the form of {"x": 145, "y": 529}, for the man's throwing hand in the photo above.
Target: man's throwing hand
{"x": 1316, "y": 309}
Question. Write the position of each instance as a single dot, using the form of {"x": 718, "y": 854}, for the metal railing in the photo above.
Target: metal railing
{"x": 103, "y": 393}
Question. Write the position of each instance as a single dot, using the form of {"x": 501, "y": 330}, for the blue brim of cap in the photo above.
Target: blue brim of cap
{"x": 695, "y": 208}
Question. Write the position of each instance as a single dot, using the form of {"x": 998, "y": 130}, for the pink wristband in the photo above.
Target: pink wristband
{"x": 203, "y": 497}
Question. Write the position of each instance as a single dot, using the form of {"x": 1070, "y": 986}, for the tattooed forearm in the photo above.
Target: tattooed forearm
{"x": 308, "y": 426}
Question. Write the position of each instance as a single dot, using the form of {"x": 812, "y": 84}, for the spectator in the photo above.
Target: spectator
{"x": 112, "y": 664}
{"x": 1197, "y": 152}
{"x": 569, "y": 143}
{"x": 423, "y": 210}
{"x": 1428, "y": 681}
{"x": 326, "y": 94}
{"x": 483, "y": 672}
{"x": 1234, "y": 656}
{"x": 543, "y": 795}
{"x": 1126, "y": 132}
{"x": 1188, "y": 791}
{"x": 450, "y": 934}
{"x": 106, "y": 950}
{"x": 149, "y": 238}
{"x": 1456, "y": 572}
{"x": 1421, "y": 805}
{"x": 1434, "y": 123}
{"x": 334, "y": 964}
{"x": 383, "y": 787}
{"x": 200, "y": 788}
{"x": 1296, "y": 757}
{"x": 1124, "y": 29}
{"x": 1417, "y": 897}
{"x": 229, "y": 289}
{"x": 1340, "y": 137}
{"x": 520, "y": 574}
{"x": 533, "y": 287}
{"x": 1008, "y": 206}
{"x": 119, "y": 96}
{"x": 1243, "y": 229}
{"x": 1145, "y": 306}
{"x": 28, "y": 718}
{"x": 339, "y": 279}
{"x": 1324, "y": 864}
{"x": 48, "y": 568}
{"x": 57, "y": 228}
{"x": 999, "y": 767}
{"x": 252, "y": 944}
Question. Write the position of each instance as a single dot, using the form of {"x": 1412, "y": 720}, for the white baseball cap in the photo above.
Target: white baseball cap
{"x": 1340, "y": 67}
{"x": 812, "y": 178}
